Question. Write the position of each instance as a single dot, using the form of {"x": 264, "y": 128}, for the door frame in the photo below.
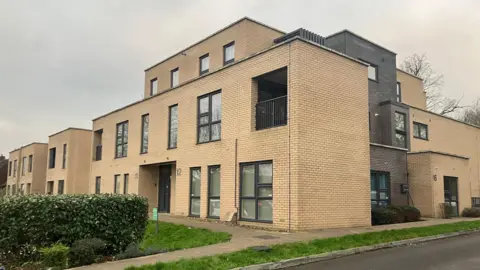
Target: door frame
{"x": 162, "y": 182}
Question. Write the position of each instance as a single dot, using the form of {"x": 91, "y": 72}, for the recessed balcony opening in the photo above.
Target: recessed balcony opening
{"x": 271, "y": 107}
{"x": 97, "y": 144}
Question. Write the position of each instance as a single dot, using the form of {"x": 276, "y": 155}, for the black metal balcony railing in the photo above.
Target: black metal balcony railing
{"x": 271, "y": 113}
{"x": 98, "y": 152}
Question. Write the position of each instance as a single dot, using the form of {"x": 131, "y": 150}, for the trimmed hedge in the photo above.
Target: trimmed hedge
{"x": 43, "y": 220}
{"x": 394, "y": 214}
{"x": 471, "y": 212}
{"x": 383, "y": 215}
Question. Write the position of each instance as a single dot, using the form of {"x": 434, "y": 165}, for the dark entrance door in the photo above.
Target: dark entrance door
{"x": 451, "y": 192}
{"x": 164, "y": 189}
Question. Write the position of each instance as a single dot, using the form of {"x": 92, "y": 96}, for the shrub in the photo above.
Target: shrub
{"x": 42, "y": 220}
{"x": 471, "y": 212}
{"x": 86, "y": 251}
{"x": 383, "y": 215}
{"x": 55, "y": 256}
{"x": 400, "y": 215}
{"x": 133, "y": 251}
{"x": 410, "y": 213}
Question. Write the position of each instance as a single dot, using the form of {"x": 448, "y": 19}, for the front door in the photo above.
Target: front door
{"x": 451, "y": 193}
{"x": 164, "y": 189}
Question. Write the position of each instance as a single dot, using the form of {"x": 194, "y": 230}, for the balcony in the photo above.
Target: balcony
{"x": 271, "y": 113}
{"x": 98, "y": 152}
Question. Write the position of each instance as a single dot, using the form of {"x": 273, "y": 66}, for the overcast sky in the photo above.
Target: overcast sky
{"x": 63, "y": 63}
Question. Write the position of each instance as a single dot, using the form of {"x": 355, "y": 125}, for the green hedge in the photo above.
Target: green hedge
{"x": 43, "y": 220}
{"x": 471, "y": 212}
{"x": 394, "y": 214}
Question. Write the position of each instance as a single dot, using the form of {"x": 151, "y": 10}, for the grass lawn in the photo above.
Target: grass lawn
{"x": 176, "y": 236}
{"x": 286, "y": 251}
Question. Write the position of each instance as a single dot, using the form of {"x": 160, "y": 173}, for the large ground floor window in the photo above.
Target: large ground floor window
{"x": 195, "y": 179}
{"x": 379, "y": 188}
{"x": 256, "y": 191}
{"x": 214, "y": 191}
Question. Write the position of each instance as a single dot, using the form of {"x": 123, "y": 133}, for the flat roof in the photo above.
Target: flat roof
{"x": 438, "y": 153}
{"x": 233, "y": 64}
{"x": 70, "y": 128}
{"x": 215, "y": 33}
{"x": 446, "y": 117}
{"x": 403, "y": 71}
{"x": 27, "y": 146}
{"x": 352, "y": 33}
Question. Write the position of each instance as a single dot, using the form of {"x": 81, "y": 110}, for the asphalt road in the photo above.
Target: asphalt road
{"x": 461, "y": 252}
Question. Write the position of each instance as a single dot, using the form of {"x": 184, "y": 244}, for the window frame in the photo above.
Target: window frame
{"x": 170, "y": 126}
{"x": 51, "y": 161}
{"x": 152, "y": 81}
{"x": 123, "y": 139}
{"x": 98, "y": 184}
{"x": 190, "y": 197}
{"x": 24, "y": 168}
{"x": 398, "y": 92}
{"x": 115, "y": 186}
{"x": 376, "y": 70}
{"x": 388, "y": 190}
{"x": 15, "y": 168}
{"x": 208, "y": 190}
{"x": 171, "y": 77}
{"x": 420, "y": 125}
{"x": 209, "y": 114}
{"x": 10, "y": 164}
{"x": 401, "y": 132}
{"x": 201, "y": 72}
{"x": 64, "y": 156}
{"x": 61, "y": 183}
{"x": 126, "y": 179}
{"x": 142, "y": 135}
{"x": 226, "y": 62}
{"x": 257, "y": 186}
{"x": 30, "y": 163}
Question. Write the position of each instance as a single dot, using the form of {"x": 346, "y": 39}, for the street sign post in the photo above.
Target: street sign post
{"x": 155, "y": 217}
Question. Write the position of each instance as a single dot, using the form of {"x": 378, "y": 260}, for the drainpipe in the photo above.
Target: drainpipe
{"x": 289, "y": 139}
{"x": 235, "y": 197}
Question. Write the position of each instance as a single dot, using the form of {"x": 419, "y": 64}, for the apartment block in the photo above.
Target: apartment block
{"x": 27, "y": 169}
{"x": 68, "y": 163}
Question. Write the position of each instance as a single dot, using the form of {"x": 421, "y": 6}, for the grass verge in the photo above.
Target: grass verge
{"x": 176, "y": 236}
{"x": 287, "y": 251}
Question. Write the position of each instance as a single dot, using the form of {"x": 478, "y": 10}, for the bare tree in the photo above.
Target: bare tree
{"x": 419, "y": 66}
{"x": 471, "y": 114}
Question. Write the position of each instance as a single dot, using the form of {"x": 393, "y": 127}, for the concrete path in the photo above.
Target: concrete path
{"x": 243, "y": 237}
{"x": 457, "y": 253}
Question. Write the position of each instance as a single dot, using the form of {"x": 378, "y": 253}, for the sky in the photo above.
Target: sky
{"x": 63, "y": 63}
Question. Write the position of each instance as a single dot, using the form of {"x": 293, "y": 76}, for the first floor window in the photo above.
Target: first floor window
{"x": 51, "y": 157}
{"x": 400, "y": 130}
{"x": 256, "y": 191}
{"x": 214, "y": 191}
{"x": 29, "y": 188}
{"x": 121, "y": 141}
{"x": 209, "y": 117}
{"x": 420, "y": 131}
{"x": 8, "y": 190}
{"x": 195, "y": 192}
{"x": 24, "y": 160}
{"x": 399, "y": 92}
{"x": 30, "y": 163}
{"x": 64, "y": 156}
{"x": 14, "y": 168}
{"x": 50, "y": 187}
{"x": 379, "y": 188}
{"x": 173, "y": 126}
{"x": 116, "y": 184}
{"x": 125, "y": 183}
{"x": 10, "y": 168}
{"x": 144, "y": 142}
{"x": 14, "y": 189}
{"x": 60, "y": 187}
{"x": 98, "y": 182}
{"x": 22, "y": 189}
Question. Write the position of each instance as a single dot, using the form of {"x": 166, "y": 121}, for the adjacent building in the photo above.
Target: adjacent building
{"x": 68, "y": 163}
{"x": 27, "y": 169}
{"x": 3, "y": 175}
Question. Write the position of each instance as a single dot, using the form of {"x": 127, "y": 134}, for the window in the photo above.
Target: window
{"x": 116, "y": 184}
{"x": 214, "y": 191}
{"x": 153, "y": 87}
{"x": 60, "y": 186}
{"x": 256, "y": 191}
{"x": 97, "y": 142}
{"x": 229, "y": 53}
{"x": 125, "y": 183}
{"x": 14, "y": 168}
{"x": 22, "y": 189}
{"x": 64, "y": 156}
{"x": 8, "y": 190}
{"x": 14, "y": 189}
{"x": 98, "y": 183}
{"x": 195, "y": 192}
{"x": 10, "y": 169}
{"x": 121, "y": 143}
{"x": 174, "y": 78}
{"x": 204, "y": 64}
{"x": 24, "y": 160}
{"x": 372, "y": 72}
{"x": 379, "y": 188}
{"x": 30, "y": 163}
{"x": 29, "y": 188}
{"x": 173, "y": 126}
{"x": 50, "y": 187}
{"x": 420, "y": 131}
{"x": 51, "y": 157}
{"x": 144, "y": 142}
{"x": 399, "y": 92}
{"x": 209, "y": 117}
{"x": 400, "y": 130}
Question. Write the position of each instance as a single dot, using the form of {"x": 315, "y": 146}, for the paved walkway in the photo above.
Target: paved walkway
{"x": 244, "y": 237}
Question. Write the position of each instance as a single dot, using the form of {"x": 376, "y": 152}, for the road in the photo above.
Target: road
{"x": 461, "y": 252}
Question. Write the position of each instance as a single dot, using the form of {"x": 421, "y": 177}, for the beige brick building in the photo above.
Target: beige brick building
{"x": 276, "y": 132}
{"x": 27, "y": 169}
{"x": 69, "y": 159}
